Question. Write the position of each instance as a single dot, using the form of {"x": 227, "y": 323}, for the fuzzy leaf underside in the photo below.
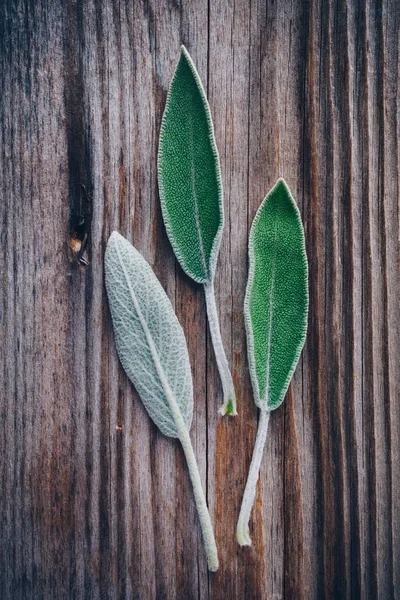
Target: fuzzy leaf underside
{"x": 189, "y": 174}
{"x": 140, "y": 311}
{"x": 276, "y": 304}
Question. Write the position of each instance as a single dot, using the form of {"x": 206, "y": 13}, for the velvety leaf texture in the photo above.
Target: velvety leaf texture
{"x": 152, "y": 349}
{"x": 149, "y": 339}
{"x": 189, "y": 174}
{"x": 276, "y": 304}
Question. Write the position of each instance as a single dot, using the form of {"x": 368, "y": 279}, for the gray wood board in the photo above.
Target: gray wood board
{"x": 94, "y": 501}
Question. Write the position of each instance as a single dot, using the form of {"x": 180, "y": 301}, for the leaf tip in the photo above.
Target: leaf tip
{"x": 114, "y": 236}
{"x": 281, "y": 183}
{"x": 185, "y": 54}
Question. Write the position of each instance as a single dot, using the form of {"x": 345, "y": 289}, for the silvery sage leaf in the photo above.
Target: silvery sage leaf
{"x": 190, "y": 187}
{"x": 276, "y": 308}
{"x": 152, "y": 349}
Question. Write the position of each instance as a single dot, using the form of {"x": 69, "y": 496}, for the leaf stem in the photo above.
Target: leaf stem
{"x": 242, "y": 531}
{"x": 201, "y": 504}
{"x": 200, "y": 499}
{"x": 229, "y": 404}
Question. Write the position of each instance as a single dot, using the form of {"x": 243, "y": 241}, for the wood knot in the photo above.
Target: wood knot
{"x": 80, "y": 222}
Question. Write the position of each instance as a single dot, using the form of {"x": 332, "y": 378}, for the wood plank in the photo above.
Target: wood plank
{"x": 94, "y": 501}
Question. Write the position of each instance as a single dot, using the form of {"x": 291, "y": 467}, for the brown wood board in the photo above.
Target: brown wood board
{"x": 94, "y": 501}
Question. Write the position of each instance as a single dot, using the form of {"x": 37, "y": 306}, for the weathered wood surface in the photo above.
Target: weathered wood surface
{"x": 94, "y": 501}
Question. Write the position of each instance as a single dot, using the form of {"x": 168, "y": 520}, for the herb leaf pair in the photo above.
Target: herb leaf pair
{"x": 276, "y": 304}
{"x": 149, "y": 339}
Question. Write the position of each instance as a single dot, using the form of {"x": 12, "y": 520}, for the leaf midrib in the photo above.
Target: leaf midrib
{"x": 270, "y": 319}
{"x": 196, "y": 204}
{"x": 153, "y": 350}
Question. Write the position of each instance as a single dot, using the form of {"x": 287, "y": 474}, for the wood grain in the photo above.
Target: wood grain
{"x": 94, "y": 501}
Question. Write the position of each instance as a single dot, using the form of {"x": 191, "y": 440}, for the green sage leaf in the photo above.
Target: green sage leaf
{"x": 276, "y": 308}
{"x": 276, "y": 303}
{"x": 190, "y": 187}
{"x": 189, "y": 174}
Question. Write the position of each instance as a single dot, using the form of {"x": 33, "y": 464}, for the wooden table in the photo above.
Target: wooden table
{"x": 94, "y": 501}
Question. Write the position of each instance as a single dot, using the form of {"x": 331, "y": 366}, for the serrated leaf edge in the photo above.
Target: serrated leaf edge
{"x": 182, "y": 428}
{"x": 115, "y": 240}
{"x": 247, "y": 318}
{"x": 217, "y": 239}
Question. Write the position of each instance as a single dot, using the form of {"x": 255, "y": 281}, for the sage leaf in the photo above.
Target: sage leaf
{"x": 276, "y": 309}
{"x": 152, "y": 349}
{"x": 190, "y": 185}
